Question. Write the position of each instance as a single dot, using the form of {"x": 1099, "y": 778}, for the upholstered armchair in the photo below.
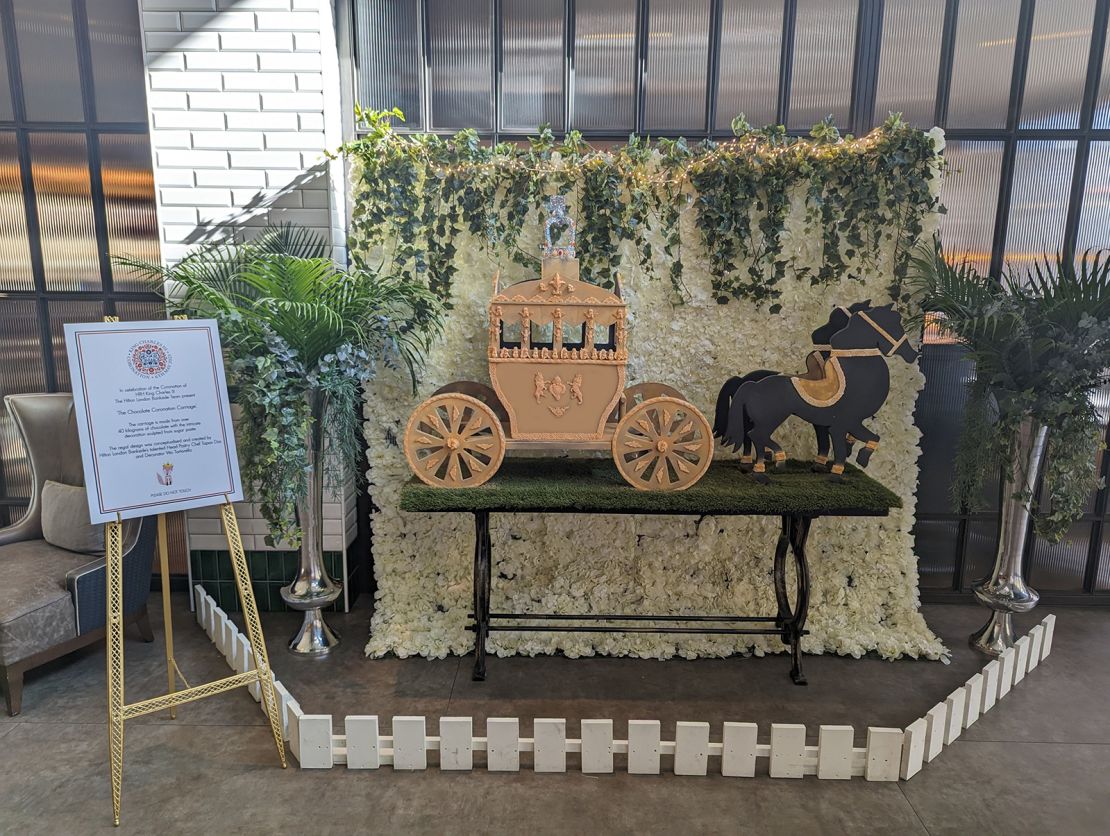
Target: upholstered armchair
{"x": 52, "y": 600}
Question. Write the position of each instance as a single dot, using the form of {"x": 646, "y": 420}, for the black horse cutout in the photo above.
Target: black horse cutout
{"x": 815, "y": 370}
{"x": 854, "y": 385}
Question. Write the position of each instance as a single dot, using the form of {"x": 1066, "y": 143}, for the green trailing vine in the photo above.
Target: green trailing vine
{"x": 416, "y": 194}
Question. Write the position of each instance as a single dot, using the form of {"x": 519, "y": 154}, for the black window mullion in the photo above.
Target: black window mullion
{"x": 713, "y": 71}
{"x": 642, "y": 12}
{"x": 495, "y": 34}
{"x": 865, "y": 65}
{"x": 786, "y": 58}
{"x": 568, "y": 63}
{"x": 947, "y": 56}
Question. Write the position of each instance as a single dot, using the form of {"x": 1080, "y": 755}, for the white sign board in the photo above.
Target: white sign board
{"x": 153, "y": 416}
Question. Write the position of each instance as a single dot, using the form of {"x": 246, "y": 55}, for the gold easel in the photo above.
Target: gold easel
{"x": 118, "y": 711}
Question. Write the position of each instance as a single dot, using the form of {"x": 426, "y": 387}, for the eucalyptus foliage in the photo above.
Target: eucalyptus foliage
{"x": 416, "y": 194}
{"x": 294, "y": 324}
{"x": 1040, "y": 340}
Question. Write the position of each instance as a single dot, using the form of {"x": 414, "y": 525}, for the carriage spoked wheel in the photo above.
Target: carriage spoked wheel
{"x": 663, "y": 444}
{"x": 454, "y": 441}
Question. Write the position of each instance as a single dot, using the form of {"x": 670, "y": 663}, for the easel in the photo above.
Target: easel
{"x": 118, "y": 711}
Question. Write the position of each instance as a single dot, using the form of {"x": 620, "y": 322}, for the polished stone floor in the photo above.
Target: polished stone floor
{"x": 1038, "y": 763}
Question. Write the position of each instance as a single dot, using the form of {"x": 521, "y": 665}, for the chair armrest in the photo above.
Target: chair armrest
{"x": 26, "y": 528}
{"x": 88, "y": 583}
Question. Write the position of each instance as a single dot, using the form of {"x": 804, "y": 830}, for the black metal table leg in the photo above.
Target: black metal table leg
{"x": 792, "y": 619}
{"x": 482, "y": 554}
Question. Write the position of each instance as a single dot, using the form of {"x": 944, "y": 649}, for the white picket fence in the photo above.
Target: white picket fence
{"x": 890, "y": 754}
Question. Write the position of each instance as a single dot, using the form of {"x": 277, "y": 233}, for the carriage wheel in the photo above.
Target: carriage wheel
{"x": 640, "y": 392}
{"x": 663, "y": 444}
{"x": 454, "y": 441}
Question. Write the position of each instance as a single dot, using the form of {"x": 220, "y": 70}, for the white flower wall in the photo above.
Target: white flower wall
{"x": 864, "y": 573}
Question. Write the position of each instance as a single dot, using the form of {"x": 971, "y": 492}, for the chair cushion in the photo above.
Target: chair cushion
{"x": 65, "y": 519}
{"x": 36, "y": 609}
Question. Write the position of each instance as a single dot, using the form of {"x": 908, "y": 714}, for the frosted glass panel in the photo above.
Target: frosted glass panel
{"x": 532, "y": 64}
{"x": 604, "y": 64}
{"x": 983, "y": 63}
{"x": 934, "y": 543}
{"x": 751, "y": 43}
{"x": 129, "y": 203}
{"x": 15, "y": 256}
{"x": 677, "y": 65}
{"x": 1058, "y": 53}
{"x": 117, "y": 60}
{"x": 1102, "y": 105}
{"x": 6, "y": 111}
{"x": 460, "y": 63}
{"x": 48, "y": 60}
{"x": 1060, "y": 567}
{"x": 970, "y": 193}
{"x": 21, "y": 371}
{"x": 60, "y": 170}
{"x": 1094, "y": 222}
{"x": 387, "y": 40}
{"x": 61, "y": 312}
{"x": 824, "y": 46}
{"x": 1039, "y": 201}
{"x": 910, "y": 60}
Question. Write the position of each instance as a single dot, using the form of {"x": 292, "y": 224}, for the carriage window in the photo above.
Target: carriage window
{"x": 605, "y": 336}
{"x": 541, "y": 335}
{"x": 574, "y": 336}
{"x": 510, "y": 334}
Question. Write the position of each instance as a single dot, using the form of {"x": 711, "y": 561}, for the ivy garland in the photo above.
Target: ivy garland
{"x": 418, "y": 193}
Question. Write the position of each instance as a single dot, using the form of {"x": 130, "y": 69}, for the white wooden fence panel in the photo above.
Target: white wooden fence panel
{"x": 254, "y": 689}
{"x": 643, "y": 747}
{"x": 973, "y": 699}
{"x": 738, "y": 750}
{"x": 936, "y": 718}
{"x": 834, "y": 752}
{"x": 1021, "y": 666}
{"x": 1037, "y": 646}
{"x": 362, "y": 741}
{"x": 241, "y": 662}
{"x": 913, "y": 748}
{"x": 314, "y": 734}
{"x": 550, "y": 736}
{"x": 231, "y": 632}
{"x": 456, "y": 743}
{"x": 1049, "y": 623}
{"x": 691, "y": 752}
{"x": 503, "y": 744}
{"x": 219, "y": 619}
{"x": 295, "y": 715}
{"x": 1006, "y": 675}
{"x": 597, "y": 746}
{"x": 884, "y": 754}
{"x": 409, "y": 750}
{"x": 284, "y": 701}
{"x": 991, "y": 671}
{"x": 954, "y": 723}
{"x": 788, "y": 743}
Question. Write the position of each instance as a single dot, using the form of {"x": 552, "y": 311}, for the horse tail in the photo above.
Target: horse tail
{"x": 724, "y": 398}
{"x": 736, "y": 431}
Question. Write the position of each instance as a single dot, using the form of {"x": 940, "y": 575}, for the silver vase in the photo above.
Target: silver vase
{"x": 1005, "y": 590}
{"x": 312, "y": 589}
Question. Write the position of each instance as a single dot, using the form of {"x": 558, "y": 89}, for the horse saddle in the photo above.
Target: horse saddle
{"x": 823, "y": 382}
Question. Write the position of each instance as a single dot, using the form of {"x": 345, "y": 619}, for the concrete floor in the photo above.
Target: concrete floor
{"x": 1038, "y": 763}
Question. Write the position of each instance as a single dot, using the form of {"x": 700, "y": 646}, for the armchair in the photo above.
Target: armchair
{"x": 52, "y": 601}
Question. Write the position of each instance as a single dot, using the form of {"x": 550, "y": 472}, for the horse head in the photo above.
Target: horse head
{"x": 875, "y": 328}
{"x": 822, "y": 336}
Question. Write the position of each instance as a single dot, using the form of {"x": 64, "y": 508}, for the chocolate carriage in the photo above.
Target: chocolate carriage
{"x": 557, "y": 363}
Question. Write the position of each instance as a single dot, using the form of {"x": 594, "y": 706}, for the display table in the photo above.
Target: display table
{"x": 593, "y": 486}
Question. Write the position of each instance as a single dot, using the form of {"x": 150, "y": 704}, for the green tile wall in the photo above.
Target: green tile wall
{"x": 269, "y": 570}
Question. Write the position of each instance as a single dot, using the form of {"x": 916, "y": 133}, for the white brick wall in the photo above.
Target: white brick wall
{"x": 244, "y": 99}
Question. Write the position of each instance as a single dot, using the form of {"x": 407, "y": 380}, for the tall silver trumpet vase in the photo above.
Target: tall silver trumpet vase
{"x": 312, "y": 589}
{"x": 1005, "y": 590}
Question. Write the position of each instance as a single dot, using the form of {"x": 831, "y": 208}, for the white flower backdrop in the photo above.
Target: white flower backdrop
{"x": 864, "y": 593}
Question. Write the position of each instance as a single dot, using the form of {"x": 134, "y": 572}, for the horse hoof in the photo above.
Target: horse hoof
{"x": 836, "y": 478}
{"x": 864, "y": 457}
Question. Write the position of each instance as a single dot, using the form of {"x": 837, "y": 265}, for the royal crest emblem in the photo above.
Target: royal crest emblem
{"x": 149, "y": 359}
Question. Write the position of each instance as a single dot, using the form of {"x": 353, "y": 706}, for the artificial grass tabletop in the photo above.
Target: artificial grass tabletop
{"x": 594, "y": 486}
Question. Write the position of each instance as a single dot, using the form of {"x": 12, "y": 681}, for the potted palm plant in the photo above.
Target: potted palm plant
{"x": 1040, "y": 340}
{"x": 301, "y": 337}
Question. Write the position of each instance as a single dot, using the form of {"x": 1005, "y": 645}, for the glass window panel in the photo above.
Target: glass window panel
{"x": 460, "y": 63}
{"x": 935, "y": 546}
{"x": 125, "y": 171}
{"x": 389, "y": 47}
{"x": 21, "y": 371}
{"x": 604, "y": 67}
{"x": 48, "y": 60}
{"x": 909, "y": 60}
{"x": 15, "y": 256}
{"x": 1094, "y": 220}
{"x": 1058, "y": 52}
{"x": 141, "y": 310}
{"x": 1102, "y": 581}
{"x": 1102, "y": 105}
{"x": 60, "y": 170}
{"x": 1039, "y": 200}
{"x": 677, "y": 65}
{"x": 939, "y": 415}
{"x": 983, "y": 63}
{"x": 117, "y": 60}
{"x": 532, "y": 64}
{"x": 970, "y": 194}
{"x": 6, "y": 111}
{"x": 751, "y": 44}
{"x": 62, "y": 312}
{"x": 1060, "y": 567}
{"x": 982, "y": 543}
{"x": 824, "y": 47}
